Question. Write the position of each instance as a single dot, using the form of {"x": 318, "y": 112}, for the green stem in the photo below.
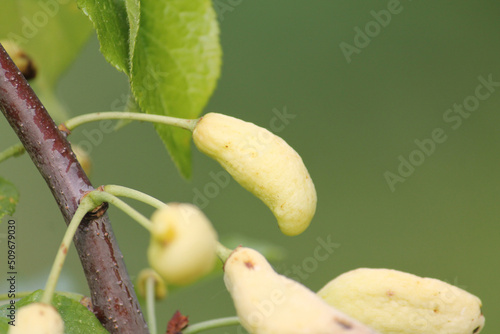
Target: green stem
{"x": 102, "y": 196}
{"x": 133, "y": 194}
{"x": 85, "y": 206}
{"x": 13, "y": 151}
{"x": 187, "y": 124}
{"x": 211, "y": 324}
{"x": 88, "y": 203}
{"x": 223, "y": 252}
{"x": 150, "y": 304}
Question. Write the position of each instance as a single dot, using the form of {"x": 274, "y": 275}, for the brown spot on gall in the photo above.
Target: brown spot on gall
{"x": 249, "y": 264}
{"x": 344, "y": 323}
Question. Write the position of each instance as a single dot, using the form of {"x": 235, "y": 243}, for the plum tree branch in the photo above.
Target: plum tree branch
{"x": 113, "y": 297}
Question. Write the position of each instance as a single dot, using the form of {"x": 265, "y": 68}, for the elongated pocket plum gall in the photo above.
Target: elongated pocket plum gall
{"x": 262, "y": 163}
{"x": 269, "y": 303}
{"x": 395, "y": 302}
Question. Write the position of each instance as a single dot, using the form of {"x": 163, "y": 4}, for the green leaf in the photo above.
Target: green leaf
{"x": 4, "y": 325}
{"x": 110, "y": 21}
{"x": 52, "y": 34}
{"x": 175, "y": 66}
{"x": 8, "y": 198}
{"x": 134, "y": 15}
{"x": 77, "y": 318}
{"x": 170, "y": 50}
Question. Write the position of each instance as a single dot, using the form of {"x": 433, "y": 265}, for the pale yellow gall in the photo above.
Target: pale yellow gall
{"x": 183, "y": 243}
{"x": 269, "y": 303}
{"x": 394, "y": 302}
{"x": 38, "y": 318}
{"x": 262, "y": 163}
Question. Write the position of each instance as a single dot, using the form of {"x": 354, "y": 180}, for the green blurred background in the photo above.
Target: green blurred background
{"x": 351, "y": 122}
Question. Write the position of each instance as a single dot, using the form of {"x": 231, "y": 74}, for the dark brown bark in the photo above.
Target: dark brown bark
{"x": 112, "y": 293}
